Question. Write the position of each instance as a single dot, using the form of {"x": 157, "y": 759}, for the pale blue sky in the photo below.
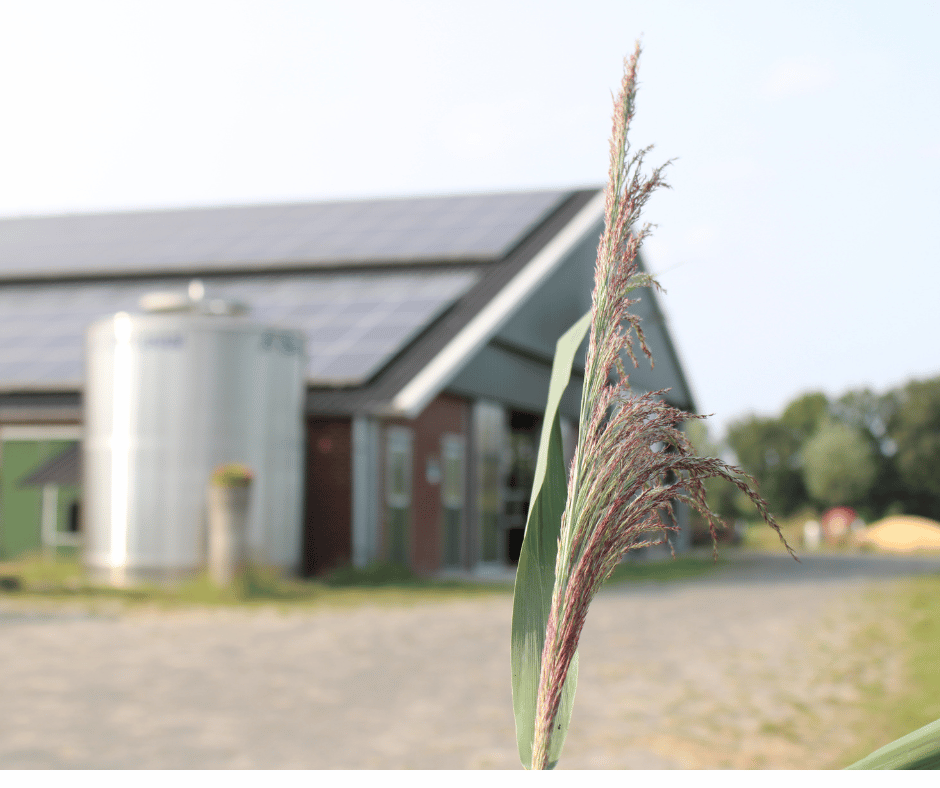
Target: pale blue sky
{"x": 800, "y": 245}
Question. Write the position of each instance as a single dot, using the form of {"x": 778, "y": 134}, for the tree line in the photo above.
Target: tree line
{"x": 878, "y": 453}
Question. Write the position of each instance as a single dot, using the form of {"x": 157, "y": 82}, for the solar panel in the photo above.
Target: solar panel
{"x": 469, "y": 227}
{"x": 354, "y": 323}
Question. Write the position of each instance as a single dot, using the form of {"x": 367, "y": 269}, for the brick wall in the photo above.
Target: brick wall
{"x": 446, "y": 414}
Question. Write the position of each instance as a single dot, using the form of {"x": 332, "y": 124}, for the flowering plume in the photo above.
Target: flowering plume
{"x": 632, "y": 461}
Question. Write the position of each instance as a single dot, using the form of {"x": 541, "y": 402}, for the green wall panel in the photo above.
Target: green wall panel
{"x": 21, "y": 507}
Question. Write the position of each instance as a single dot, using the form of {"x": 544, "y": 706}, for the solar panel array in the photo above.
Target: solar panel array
{"x": 454, "y": 228}
{"x": 354, "y": 323}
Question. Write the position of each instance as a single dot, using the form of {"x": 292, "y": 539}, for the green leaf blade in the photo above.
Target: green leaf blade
{"x": 535, "y": 574}
{"x": 917, "y": 750}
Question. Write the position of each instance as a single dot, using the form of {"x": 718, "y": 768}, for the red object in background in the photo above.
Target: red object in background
{"x": 836, "y": 523}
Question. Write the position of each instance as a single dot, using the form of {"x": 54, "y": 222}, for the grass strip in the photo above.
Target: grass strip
{"x": 686, "y": 567}
{"x": 915, "y": 605}
{"x": 34, "y": 580}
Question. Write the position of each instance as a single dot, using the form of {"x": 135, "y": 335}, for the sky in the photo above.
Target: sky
{"x": 799, "y": 245}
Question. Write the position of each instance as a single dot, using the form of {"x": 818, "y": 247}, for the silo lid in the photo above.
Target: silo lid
{"x": 192, "y": 301}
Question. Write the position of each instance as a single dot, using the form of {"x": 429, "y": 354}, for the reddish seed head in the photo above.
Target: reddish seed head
{"x": 632, "y": 461}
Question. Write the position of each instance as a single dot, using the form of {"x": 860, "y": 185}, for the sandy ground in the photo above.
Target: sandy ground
{"x": 758, "y": 666}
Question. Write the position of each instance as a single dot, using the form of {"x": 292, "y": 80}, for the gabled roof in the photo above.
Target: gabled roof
{"x": 360, "y": 278}
{"x": 393, "y": 295}
{"x": 64, "y": 468}
{"x": 306, "y": 236}
{"x": 354, "y": 321}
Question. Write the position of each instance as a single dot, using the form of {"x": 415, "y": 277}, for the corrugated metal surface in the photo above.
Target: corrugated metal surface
{"x": 429, "y": 229}
{"x": 170, "y": 397}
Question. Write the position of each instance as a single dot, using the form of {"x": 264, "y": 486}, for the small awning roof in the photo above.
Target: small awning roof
{"x": 64, "y": 468}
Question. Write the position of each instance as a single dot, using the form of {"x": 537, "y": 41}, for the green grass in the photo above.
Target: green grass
{"x": 65, "y": 580}
{"x": 915, "y": 605}
{"x": 759, "y": 537}
{"x": 683, "y": 567}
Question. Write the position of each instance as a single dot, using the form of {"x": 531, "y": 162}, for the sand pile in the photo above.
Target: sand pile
{"x": 902, "y": 533}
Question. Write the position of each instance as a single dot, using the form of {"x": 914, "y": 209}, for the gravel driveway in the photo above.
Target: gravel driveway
{"x": 751, "y": 667}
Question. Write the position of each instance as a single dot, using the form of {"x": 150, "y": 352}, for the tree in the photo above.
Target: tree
{"x": 839, "y": 465}
{"x": 914, "y": 429}
{"x": 805, "y": 414}
{"x": 871, "y": 413}
{"x": 769, "y": 450}
{"x": 722, "y": 496}
{"x": 867, "y": 411}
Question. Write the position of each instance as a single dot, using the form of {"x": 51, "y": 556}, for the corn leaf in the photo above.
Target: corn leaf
{"x": 535, "y": 575}
{"x": 917, "y": 750}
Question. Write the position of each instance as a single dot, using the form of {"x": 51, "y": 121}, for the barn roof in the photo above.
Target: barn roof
{"x": 393, "y": 295}
{"x": 307, "y": 236}
{"x": 354, "y": 321}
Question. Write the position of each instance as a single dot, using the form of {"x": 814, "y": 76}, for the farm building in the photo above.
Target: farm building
{"x": 430, "y": 326}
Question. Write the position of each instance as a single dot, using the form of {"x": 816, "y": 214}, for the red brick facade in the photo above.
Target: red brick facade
{"x": 446, "y": 414}
{"x": 327, "y": 539}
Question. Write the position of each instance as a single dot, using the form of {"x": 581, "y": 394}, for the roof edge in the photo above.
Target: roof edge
{"x": 433, "y": 377}
{"x": 672, "y": 350}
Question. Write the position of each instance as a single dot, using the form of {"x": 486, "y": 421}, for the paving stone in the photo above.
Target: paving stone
{"x": 747, "y": 668}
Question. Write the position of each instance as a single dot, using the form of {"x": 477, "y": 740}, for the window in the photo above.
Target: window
{"x": 452, "y": 497}
{"x": 490, "y": 435}
{"x": 398, "y": 494}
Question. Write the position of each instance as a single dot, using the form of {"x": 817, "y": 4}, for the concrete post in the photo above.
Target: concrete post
{"x": 228, "y": 525}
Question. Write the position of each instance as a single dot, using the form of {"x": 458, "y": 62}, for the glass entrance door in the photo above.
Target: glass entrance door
{"x": 452, "y": 498}
{"x": 398, "y": 471}
{"x": 523, "y": 443}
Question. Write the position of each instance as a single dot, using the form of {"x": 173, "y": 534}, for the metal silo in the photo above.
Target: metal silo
{"x": 169, "y": 395}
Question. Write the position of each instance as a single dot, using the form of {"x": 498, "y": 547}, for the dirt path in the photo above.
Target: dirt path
{"x": 736, "y": 671}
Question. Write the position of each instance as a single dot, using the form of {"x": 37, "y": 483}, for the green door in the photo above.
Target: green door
{"x": 21, "y": 507}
